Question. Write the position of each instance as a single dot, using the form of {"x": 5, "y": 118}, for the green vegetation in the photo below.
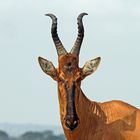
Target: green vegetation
{"x": 45, "y": 135}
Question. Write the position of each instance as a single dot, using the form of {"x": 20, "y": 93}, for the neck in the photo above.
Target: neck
{"x": 89, "y": 114}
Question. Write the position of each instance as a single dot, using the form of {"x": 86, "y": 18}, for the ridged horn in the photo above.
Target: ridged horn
{"x": 77, "y": 45}
{"x": 59, "y": 46}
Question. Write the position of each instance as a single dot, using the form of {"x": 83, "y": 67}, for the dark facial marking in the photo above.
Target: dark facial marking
{"x": 71, "y": 115}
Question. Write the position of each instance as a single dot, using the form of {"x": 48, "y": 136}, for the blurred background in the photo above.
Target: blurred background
{"x": 28, "y": 98}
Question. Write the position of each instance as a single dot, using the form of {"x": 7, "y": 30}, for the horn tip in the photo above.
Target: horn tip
{"x": 48, "y": 15}
{"x": 81, "y": 15}
{"x": 85, "y": 13}
{"x": 51, "y": 16}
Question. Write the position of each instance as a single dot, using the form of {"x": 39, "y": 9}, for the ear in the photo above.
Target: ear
{"x": 90, "y": 66}
{"x": 48, "y": 67}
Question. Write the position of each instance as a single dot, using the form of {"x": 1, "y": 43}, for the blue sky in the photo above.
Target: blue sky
{"x": 112, "y": 31}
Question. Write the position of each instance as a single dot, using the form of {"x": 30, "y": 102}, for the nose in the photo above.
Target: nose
{"x": 71, "y": 123}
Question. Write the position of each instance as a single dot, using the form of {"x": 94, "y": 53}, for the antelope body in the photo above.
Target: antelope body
{"x": 81, "y": 118}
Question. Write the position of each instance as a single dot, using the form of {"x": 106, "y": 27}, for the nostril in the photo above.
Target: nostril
{"x": 68, "y": 123}
{"x": 75, "y": 122}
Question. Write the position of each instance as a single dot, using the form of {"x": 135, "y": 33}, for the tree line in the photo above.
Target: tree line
{"x": 45, "y": 135}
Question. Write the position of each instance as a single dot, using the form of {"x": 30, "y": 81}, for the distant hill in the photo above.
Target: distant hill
{"x": 19, "y": 129}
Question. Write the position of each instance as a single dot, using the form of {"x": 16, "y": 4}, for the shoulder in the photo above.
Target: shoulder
{"x": 118, "y": 103}
{"x": 117, "y": 109}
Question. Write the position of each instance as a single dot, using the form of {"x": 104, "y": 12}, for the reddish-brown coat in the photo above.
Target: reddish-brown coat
{"x": 113, "y": 120}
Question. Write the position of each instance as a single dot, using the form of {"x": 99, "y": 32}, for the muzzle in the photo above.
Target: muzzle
{"x": 71, "y": 118}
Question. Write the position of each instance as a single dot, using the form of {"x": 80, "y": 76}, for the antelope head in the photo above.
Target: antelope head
{"x": 68, "y": 74}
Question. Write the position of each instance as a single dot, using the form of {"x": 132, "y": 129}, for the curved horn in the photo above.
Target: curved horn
{"x": 77, "y": 45}
{"x": 59, "y": 46}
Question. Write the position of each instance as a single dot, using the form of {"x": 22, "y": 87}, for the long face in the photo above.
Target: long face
{"x": 69, "y": 78}
{"x": 68, "y": 74}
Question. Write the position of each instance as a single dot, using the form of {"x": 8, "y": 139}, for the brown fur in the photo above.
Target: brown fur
{"x": 113, "y": 120}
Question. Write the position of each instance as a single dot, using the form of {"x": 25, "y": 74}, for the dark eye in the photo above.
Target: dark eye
{"x": 61, "y": 79}
{"x": 78, "y": 79}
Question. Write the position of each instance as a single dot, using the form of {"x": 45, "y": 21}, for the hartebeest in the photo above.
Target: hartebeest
{"x": 81, "y": 118}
